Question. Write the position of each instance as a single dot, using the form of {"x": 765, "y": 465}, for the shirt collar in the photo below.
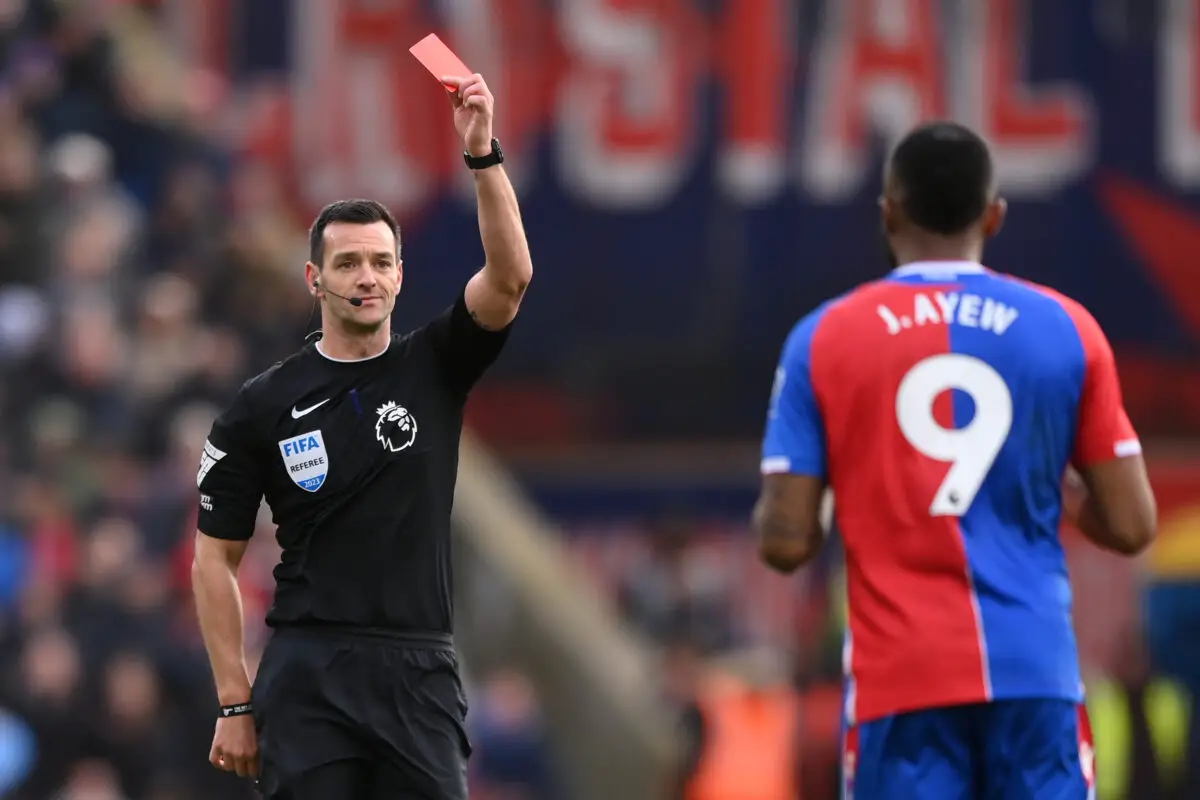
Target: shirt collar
{"x": 939, "y": 269}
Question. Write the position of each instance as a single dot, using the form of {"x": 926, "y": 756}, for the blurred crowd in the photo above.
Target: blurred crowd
{"x": 143, "y": 274}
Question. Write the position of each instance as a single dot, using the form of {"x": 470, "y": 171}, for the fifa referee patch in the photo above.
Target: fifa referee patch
{"x": 306, "y": 460}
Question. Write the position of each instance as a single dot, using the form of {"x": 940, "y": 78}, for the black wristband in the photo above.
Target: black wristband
{"x": 236, "y": 710}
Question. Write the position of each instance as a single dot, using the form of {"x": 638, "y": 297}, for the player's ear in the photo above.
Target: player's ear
{"x": 993, "y": 218}
{"x": 887, "y": 215}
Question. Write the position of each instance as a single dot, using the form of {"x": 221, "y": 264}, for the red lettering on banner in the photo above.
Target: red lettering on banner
{"x": 1040, "y": 139}
{"x": 1014, "y": 113}
{"x": 755, "y": 63}
{"x": 1179, "y": 99}
{"x": 365, "y": 121}
{"x": 627, "y": 104}
{"x": 878, "y": 65}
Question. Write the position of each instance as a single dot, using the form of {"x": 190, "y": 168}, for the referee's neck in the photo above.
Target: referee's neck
{"x": 340, "y": 345}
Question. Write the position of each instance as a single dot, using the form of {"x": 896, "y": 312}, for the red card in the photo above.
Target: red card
{"x": 439, "y": 59}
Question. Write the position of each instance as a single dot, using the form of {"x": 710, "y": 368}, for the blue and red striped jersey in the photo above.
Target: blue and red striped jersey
{"x": 943, "y": 405}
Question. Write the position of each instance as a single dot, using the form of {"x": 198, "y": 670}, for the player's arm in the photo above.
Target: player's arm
{"x": 230, "y": 495}
{"x": 787, "y": 516}
{"x": 1117, "y": 511}
{"x": 493, "y": 294}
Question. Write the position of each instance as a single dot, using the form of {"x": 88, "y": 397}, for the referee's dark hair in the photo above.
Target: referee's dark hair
{"x": 358, "y": 212}
{"x": 941, "y": 176}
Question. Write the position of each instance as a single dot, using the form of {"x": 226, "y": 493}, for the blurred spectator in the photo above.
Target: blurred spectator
{"x": 92, "y": 779}
{"x": 46, "y": 690}
{"x": 136, "y": 731}
{"x": 1172, "y": 605}
{"x": 675, "y": 591}
{"x": 1140, "y": 723}
{"x": 512, "y": 758}
{"x": 742, "y": 730}
{"x": 18, "y": 752}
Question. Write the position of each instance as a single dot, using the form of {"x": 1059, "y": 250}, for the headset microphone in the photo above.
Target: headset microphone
{"x": 354, "y": 301}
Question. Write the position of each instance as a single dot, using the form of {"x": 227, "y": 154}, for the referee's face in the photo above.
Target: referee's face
{"x": 360, "y": 261}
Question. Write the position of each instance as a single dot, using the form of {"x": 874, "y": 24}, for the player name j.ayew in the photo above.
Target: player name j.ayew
{"x": 947, "y": 308}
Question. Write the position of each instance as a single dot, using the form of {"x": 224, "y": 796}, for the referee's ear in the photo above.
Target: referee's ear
{"x": 312, "y": 273}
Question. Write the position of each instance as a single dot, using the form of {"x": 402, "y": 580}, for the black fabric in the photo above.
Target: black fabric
{"x": 348, "y": 716}
{"x": 357, "y": 461}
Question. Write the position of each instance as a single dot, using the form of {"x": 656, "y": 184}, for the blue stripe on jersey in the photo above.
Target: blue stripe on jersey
{"x": 794, "y": 441}
{"x": 1011, "y": 528}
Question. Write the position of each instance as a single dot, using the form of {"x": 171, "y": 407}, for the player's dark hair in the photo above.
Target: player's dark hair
{"x": 943, "y": 174}
{"x": 358, "y": 212}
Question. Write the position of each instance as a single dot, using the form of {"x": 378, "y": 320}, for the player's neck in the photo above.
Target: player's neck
{"x": 342, "y": 345}
{"x": 937, "y": 248}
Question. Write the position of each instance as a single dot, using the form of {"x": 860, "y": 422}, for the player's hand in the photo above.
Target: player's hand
{"x": 235, "y": 746}
{"x": 473, "y": 108}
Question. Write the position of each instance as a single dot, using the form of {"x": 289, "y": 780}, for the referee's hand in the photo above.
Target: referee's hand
{"x": 235, "y": 746}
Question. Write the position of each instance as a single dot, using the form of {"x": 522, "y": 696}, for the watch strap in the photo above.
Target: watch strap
{"x": 490, "y": 160}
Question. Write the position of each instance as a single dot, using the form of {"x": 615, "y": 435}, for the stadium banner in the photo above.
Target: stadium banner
{"x": 722, "y": 160}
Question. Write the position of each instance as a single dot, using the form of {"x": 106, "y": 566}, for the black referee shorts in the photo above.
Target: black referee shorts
{"x": 343, "y": 715}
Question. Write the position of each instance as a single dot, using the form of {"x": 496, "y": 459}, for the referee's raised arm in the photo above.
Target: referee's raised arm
{"x": 494, "y": 294}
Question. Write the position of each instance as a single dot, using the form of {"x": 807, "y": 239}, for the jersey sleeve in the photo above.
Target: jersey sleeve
{"x": 1104, "y": 431}
{"x": 229, "y": 478}
{"x": 463, "y": 349}
{"x": 794, "y": 442}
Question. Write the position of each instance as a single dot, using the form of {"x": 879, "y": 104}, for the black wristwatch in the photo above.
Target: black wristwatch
{"x": 483, "y": 162}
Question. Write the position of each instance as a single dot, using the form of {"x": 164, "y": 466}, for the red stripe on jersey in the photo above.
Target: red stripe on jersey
{"x": 850, "y": 752}
{"x": 1087, "y": 747}
{"x": 914, "y": 630}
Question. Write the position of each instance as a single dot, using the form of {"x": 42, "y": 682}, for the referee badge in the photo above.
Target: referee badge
{"x": 306, "y": 460}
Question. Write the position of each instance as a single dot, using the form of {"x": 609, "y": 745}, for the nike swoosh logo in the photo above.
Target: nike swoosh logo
{"x": 297, "y": 414}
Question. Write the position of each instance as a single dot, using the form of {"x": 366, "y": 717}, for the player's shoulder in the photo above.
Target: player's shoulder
{"x": 845, "y": 309}
{"x": 832, "y": 319}
{"x": 1051, "y": 303}
{"x": 800, "y": 337}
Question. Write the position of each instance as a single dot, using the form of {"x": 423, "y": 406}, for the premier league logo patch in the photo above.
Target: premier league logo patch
{"x": 395, "y": 429}
{"x": 208, "y": 460}
{"x": 306, "y": 460}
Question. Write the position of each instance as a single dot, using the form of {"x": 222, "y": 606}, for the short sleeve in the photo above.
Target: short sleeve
{"x": 1104, "y": 431}
{"x": 795, "y": 436}
{"x": 463, "y": 349}
{"x": 229, "y": 475}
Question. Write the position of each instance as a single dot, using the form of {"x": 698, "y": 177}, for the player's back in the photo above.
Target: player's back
{"x": 950, "y": 398}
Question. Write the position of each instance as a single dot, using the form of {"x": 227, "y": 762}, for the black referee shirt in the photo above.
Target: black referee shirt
{"x": 357, "y": 461}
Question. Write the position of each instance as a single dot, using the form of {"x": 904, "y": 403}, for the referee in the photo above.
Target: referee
{"x": 354, "y": 441}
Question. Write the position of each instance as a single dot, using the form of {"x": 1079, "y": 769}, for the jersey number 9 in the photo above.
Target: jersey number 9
{"x": 970, "y": 450}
